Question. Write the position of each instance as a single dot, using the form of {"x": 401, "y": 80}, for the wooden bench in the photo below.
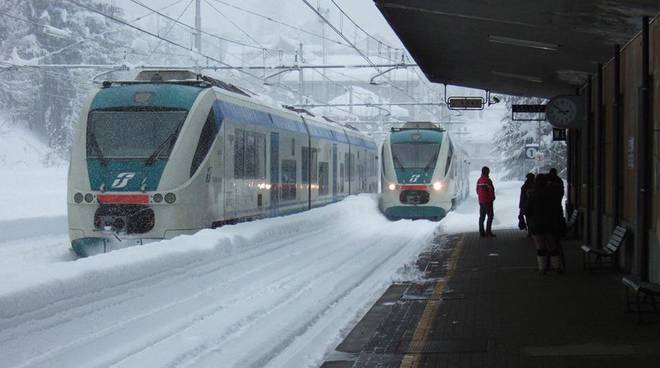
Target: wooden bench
{"x": 644, "y": 292}
{"x": 607, "y": 257}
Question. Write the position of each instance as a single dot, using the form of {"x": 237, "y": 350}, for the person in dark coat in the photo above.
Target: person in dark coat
{"x": 556, "y": 186}
{"x": 522, "y": 203}
{"x": 486, "y": 195}
{"x": 543, "y": 222}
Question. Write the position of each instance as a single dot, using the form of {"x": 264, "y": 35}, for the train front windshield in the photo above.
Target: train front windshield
{"x": 415, "y": 155}
{"x": 133, "y": 133}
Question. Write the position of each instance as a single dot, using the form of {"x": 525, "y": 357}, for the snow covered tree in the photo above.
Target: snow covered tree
{"x": 515, "y": 135}
{"x": 48, "y": 100}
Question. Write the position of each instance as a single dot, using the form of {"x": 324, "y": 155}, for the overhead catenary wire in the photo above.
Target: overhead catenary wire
{"x": 185, "y": 9}
{"x": 249, "y": 36}
{"x": 281, "y": 85}
{"x": 357, "y": 49}
{"x": 191, "y": 28}
{"x": 273, "y": 20}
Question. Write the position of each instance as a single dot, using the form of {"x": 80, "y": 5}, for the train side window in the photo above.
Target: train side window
{"x": 254, "y": 155}
{"x": 293, "y": 147}
{"x": 306, "y": 164}
{"x": 250, "y": 155}
{"x": 288, "y": 180}
{"x": 341, "y": 177}
{"x": 315, "y": 165}
{"x": 449, "y": 156}
{"x": 206, "y": 139}
{"x": 239, "y": 153}
{"x": 324, "y": 171}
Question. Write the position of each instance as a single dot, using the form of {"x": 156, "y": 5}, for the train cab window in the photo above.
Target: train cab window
{"x": 133, "y": 132}
{"x": 293, "y": 147}
{"x": 415, "y": 155}
{"x": 206, "y": 139}
{"x": 289, "y": 179}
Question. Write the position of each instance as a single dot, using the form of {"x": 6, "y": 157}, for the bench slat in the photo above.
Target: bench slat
{"x": 612, "y": 248}
{"x": 630, "y": 282}
{"x": 615, "y": 243}
{"x": 620, "y": 231}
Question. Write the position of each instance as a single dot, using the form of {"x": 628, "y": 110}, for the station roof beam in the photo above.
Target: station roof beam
{"x": 519, "y": 47}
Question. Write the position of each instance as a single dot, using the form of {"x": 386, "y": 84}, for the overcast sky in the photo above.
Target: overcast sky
{"x": 293, "y": 12}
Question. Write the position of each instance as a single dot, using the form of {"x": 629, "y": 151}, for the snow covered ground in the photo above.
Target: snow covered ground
{"x": 280, "y": 292}
{"x": 33, "y": 227}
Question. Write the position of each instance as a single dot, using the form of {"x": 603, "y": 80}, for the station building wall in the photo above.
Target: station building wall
{"x": 595, "y": 150}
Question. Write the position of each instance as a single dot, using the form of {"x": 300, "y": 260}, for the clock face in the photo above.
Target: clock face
{"x": 561, "y": 111}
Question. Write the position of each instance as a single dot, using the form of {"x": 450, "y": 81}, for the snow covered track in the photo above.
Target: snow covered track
{"x": 279, "y": 293}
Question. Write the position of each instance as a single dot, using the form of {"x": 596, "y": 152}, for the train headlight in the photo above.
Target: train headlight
{"x": 391, "y": 186}
{"x": 89, "y": 197}
{"x": 157, "y": 197}
{"x": 78, "y": 197}
{"x": 170, "y": 198}
{"x": 437, "y": 185}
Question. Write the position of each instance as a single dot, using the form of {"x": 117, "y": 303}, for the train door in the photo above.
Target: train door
{"x": 334, "y": 172}
{"x": 274, "y": 172}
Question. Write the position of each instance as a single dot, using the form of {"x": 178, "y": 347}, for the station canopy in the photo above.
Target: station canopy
{"x": 519, "y": 47}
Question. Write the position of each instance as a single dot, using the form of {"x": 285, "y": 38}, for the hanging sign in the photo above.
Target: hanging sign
{"x": 527, "y": 112}
{"x": 531, "y": 150}
{"x": 559, "y": 135}
{"x": 465, "y": 103}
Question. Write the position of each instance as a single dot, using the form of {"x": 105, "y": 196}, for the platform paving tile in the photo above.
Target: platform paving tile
{"x": 491, "y": 308}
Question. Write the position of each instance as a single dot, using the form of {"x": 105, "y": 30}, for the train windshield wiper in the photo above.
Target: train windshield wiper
{"x": 430, "y": 163}
{"x": 97, "y": 148}
{"x": 160, "y": 148}
{"x": 397, "y": 163}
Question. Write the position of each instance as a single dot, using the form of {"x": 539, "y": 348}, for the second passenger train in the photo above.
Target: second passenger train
{"x": 424, "y": 175}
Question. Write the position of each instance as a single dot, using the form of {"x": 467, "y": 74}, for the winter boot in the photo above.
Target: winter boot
{"x": 541, "y": 261}
{"x": 555, "y": 261}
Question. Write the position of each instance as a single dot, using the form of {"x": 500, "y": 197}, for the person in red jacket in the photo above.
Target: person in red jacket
{"x": 486, "y": 195}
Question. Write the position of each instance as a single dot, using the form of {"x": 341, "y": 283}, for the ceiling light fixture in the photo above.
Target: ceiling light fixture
{"x": 527, "y": 78}
{"x": 523, "y": 43}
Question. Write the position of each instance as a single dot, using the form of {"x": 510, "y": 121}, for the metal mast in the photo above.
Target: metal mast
{"x": 198, "y": 25}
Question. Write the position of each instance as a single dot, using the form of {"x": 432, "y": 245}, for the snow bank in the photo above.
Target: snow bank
{"x": 29, "y": 289}
{"x": 33, "y": 177}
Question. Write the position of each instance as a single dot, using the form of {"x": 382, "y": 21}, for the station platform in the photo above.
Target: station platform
{"x": 483, "y": 304}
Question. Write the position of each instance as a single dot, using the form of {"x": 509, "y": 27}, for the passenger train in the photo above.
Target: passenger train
{"x": 424, "y": 174}
{"x": 173, "y": 152}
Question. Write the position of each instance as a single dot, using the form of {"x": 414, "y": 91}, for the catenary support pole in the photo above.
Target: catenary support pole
{"x": 618, "y": 135}
{"x": 588, "y": 182}
{"x": 600, "y": 150}
{"x": 643, "y": 159}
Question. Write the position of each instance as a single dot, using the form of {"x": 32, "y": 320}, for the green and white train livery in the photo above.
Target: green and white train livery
{"x": 424, "y": 175}
{"x": 172, "y": 152}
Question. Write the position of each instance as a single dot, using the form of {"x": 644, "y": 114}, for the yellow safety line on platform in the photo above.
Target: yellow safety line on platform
{"x": 411, "y": 359}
